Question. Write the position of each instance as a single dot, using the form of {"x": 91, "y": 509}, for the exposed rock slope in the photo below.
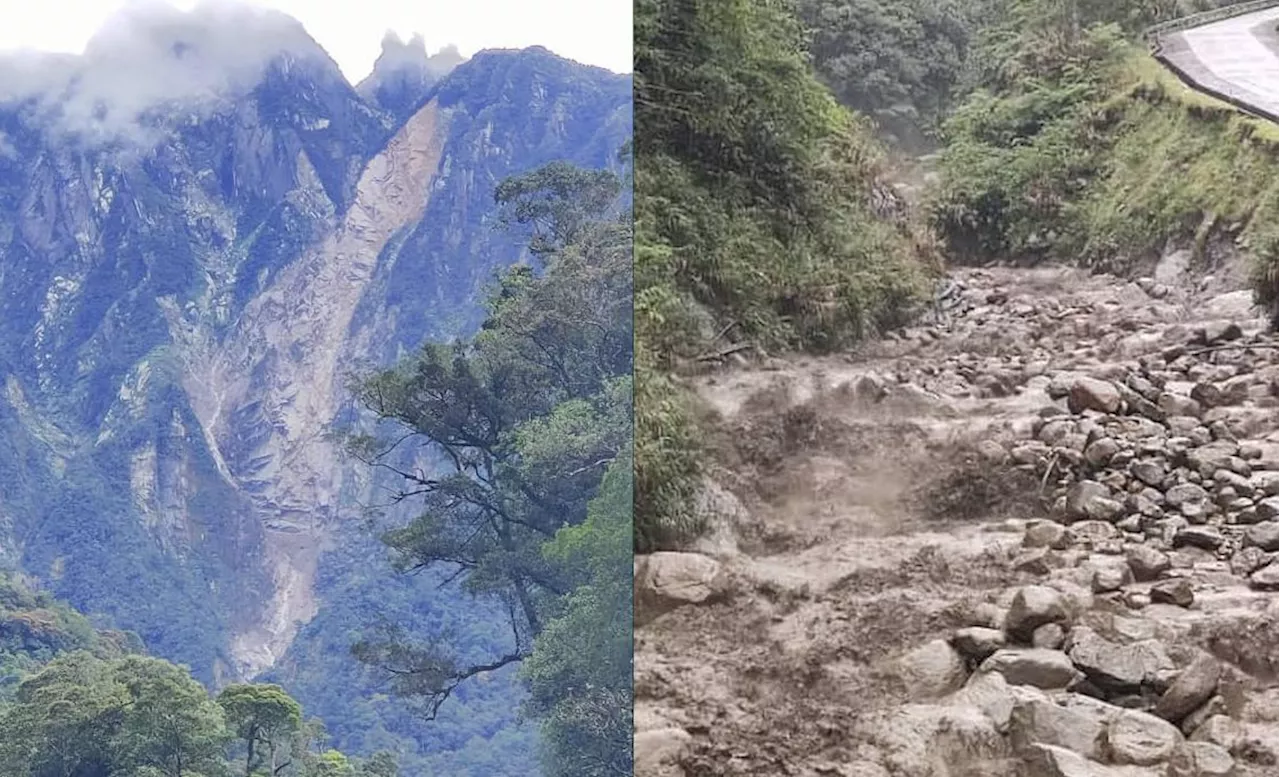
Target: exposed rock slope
{"x": 187, "y": 276}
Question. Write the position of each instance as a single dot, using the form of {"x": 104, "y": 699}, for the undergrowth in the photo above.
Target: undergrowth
{"x": 1095, "y": 154}
{"x": 758, "y": 220}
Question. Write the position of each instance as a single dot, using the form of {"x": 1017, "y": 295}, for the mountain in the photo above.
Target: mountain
{"x": 204, "y": 230}
{"x": 404, "y": 73}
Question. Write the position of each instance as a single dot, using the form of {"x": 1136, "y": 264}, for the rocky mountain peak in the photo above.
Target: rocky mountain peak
{"x": 404, "y": 74}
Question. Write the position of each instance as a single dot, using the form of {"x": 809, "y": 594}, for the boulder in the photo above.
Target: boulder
{"x": 1135, "y": 737}
{"x": 1032, "y": 607}
{"x": 932, "y": 670}
{"x": 1037, "y": 667}
{"x": 1193, "y": 686}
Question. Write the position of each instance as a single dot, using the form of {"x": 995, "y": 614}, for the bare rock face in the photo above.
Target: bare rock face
{"x": 278, "y": 380}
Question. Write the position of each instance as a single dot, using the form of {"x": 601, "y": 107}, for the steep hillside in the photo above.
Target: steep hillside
{"x": 203, "y": 230}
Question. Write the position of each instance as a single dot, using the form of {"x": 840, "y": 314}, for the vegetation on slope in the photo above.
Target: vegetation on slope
{"x": 1078, "y": 147}
{"x": 529, "y": 510}
{"x": 75, "y": 700}
{"x": 898, "y": 63}
{"x": 757, "y": 219}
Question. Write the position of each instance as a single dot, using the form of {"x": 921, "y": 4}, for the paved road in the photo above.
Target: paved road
{"x": 1234, "y": 57}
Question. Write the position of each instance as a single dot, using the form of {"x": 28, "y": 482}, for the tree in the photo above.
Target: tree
{"x": 526, "y": 416}
{"x": 265, "y": 718}
{"x": 558, "y": 201}
{"x": 170, "y": 724}
{"x": 897, "y": 62}
{"x": 380, "y": 764}
{"x": 62, "y": 720}
{"x": 84, "y": 716}
{"x": 580, "y": 674}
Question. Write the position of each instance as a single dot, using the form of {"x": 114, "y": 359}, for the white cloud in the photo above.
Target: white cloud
{"x": 149, "y": 54}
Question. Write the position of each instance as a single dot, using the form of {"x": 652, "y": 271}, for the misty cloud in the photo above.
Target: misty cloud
{"x": 398, "y": 54}
{"x": 149, "y": 57}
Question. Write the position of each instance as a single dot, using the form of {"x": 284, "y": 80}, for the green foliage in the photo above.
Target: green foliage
{"x": 897, "y": 62}
{"x": 1013, "y": 164}
{"x": 86, "y": 703}
{"x": 757, "y": 215}
{"x": 1081, "y": 148}
{"x": 264, "y": 717}
{"x": 35, "y": 628}
{"x": 83, "y": 715}
{"x": 580, "y": 672}
{"x": 477, "y": 734}
{"x": 525, "y": 418}
{"x": 667, "y": 456}
{"x": 169, "y": 724}
{"x": 559, "y": 201}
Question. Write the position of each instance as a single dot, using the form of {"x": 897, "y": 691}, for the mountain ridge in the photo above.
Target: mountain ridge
{"x": 136, "y": 482}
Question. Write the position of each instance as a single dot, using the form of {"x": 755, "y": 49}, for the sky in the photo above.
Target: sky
{"x": 594, "y": 32}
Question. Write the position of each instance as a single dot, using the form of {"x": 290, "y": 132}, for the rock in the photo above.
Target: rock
{"x": 667, "y": 580}
{"x": 1266, "y": 579}
{"x": 1184, "y": 493}
{"x": 1175, "y": 591}
{"x": 1092, "y": 394}
{"x": 1269, "y": 508}
{"x": 1111, "y": 576}
{"x": 1264, "y": 536}
{"x": 1208, "y": 395}
{"x": 915, "y": 737}
{"x": 1248, "y": 560}
{"x": 1266, "y": 482}
{"x": 976, "y": 643}
{"x": 1220, "y": 730}
{"x": 996, "y": 698}
{"x": 1147, "y": 563}
{"x": 1194, "y": 686}
{"x": 1089, "y": 499}
{"x": 1201, "y": 759}
{"x": 1174, "y": 405}
{"x": 1037, "y": 667}
{"x": 1053, "y": 761}
{"x": 1191, "y": 723}
{"x": 861, "y": 769}
{"x": 1045, "y": 534}
{"x": 1220, "y": 332}
{"x": 1100, "y": 452}
{"x": 1203, "y": 537}
{"x": 1032, "y": 607}
{"x": 1080, "y": 727}
{"x": 1149, "y": 471}
{"x": 1050, "y": 635}
{"x": 1135, "y": 737}
{"x": 1117, "y": 668}
{"x": 932, "y": 670}
{"x": 658, "y": 751}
